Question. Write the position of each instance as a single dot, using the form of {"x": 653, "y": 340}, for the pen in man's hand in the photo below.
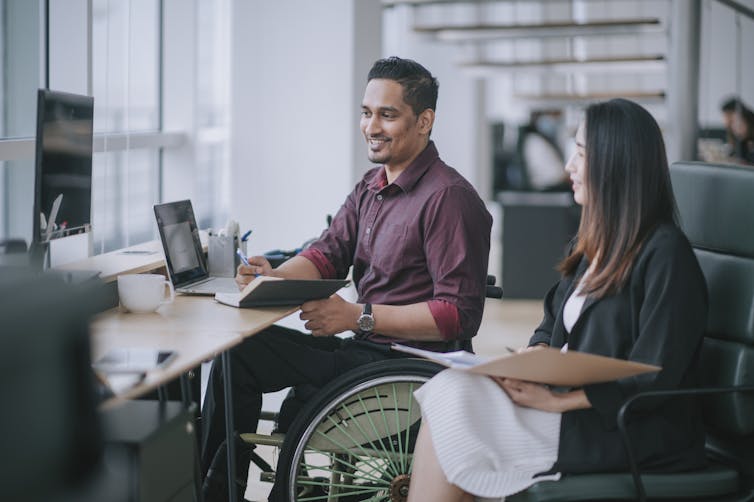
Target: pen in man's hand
{"x": 244, "y": 259}
{"x": 240, "y": 254}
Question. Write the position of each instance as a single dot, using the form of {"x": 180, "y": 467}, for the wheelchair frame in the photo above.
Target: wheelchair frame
{"x": 355, "y": 439}
{"x": 377, "y": 463}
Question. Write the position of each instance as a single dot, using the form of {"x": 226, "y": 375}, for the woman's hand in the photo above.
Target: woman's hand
{"x": 540, "y": 397}
{"x": 527, "y": 348}
{"x": 530, "y": 395}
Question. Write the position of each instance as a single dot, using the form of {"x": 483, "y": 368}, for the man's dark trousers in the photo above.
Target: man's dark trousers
{"x": 272, "y": 360}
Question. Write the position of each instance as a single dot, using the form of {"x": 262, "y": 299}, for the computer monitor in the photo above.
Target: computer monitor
{"x": 63, "y": 179}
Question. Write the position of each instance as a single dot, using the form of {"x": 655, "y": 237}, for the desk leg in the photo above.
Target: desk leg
{"x": 229, "y": 428}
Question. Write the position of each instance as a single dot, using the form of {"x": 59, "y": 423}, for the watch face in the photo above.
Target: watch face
{"x": 366, "y": 322}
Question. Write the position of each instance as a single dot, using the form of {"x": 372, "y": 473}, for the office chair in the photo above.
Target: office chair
{"x": 48, "y": 428}
{"x": 716, "y": 207}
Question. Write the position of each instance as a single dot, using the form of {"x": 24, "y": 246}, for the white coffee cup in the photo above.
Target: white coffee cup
{"x": 142, "y": 293}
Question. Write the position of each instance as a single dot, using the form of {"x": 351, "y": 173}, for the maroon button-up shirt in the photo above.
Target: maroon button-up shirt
{"x": 423, "y": 238}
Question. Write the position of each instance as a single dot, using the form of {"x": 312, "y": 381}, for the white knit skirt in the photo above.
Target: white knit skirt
{"x": 485, "y": 444}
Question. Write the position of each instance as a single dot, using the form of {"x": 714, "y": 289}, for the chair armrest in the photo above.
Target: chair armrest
{"x": 628, "y": 403}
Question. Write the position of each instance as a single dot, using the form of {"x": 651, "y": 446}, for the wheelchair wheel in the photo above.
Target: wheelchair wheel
{"x": 355, "y": 440}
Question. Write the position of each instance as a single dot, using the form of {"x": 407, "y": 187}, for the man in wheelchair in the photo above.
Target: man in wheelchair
{"x": 415, "y": 235}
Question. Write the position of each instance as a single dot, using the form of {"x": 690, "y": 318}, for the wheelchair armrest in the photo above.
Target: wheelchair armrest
{"x": 493, "y": 291}
{"x": 628, "y": 403}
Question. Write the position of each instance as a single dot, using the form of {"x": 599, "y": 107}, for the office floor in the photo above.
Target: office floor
{"x": 505, "y": 323}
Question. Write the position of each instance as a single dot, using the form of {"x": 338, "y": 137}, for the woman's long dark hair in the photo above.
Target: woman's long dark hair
{"x": 628, "y": 193}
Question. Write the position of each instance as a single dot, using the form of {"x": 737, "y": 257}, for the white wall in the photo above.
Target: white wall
{"x": 456, "y": 128}
{"x": 299, "y": 70}
{"x": 295, "y": 75}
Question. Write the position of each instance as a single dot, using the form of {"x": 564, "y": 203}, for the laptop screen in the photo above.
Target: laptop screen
{"x": 180, "y": 241}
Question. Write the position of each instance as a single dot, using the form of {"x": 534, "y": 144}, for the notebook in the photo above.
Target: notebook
{"x": 184, "y": 257}
{"x": 265, "y": 291}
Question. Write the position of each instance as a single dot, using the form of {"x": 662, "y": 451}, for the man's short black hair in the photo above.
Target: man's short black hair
{"x": 419, "y": 86}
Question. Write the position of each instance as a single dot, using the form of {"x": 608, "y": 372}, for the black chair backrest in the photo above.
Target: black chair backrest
{"x": 716, "y": 207}
{"x": 49, "y": 429}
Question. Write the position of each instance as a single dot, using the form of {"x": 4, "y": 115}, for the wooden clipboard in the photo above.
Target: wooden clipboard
{"x": 542, "y": 365}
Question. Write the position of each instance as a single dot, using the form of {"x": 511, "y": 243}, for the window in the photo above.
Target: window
{"x": 212, "y": 193}
{"x": 126, "y": 82}
{"x": 159, "y": 74}
{"x": 20, "y": 77}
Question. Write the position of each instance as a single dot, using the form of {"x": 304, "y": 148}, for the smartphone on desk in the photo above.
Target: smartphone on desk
{"x": 133, "y": 360}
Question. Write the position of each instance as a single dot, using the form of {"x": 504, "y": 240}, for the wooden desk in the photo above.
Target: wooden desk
{"x": 137, "y": 259}
{"x": 192, "y": 314}
{"x": 197, "y": 328}
{"x": 192, "y": 349}
{"x": 133, "y": 260}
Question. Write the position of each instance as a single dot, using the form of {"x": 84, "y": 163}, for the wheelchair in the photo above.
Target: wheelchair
{"x": 353, "y": 439}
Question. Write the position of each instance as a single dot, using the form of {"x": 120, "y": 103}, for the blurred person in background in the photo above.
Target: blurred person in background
{"x": 739, "y": 125}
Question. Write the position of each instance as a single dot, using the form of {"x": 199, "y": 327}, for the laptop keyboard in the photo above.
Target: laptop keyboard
{"x": 205, "y": 286}
{"x": 213, "y": 285}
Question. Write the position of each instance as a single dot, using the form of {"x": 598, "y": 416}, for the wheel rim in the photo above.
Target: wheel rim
{"x": 360, "y": 446}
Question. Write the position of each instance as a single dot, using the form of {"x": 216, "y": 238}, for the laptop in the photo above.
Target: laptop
{"x": 184, "y": 257}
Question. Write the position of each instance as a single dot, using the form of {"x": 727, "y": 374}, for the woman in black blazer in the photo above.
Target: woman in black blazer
{"x": 631, "y": 288}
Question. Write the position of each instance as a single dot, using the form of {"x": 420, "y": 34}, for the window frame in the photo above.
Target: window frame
{"x": 173, "y": 147}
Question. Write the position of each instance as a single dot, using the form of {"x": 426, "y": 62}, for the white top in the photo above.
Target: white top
{"x": 572, "y": 308}
{"x": 574, "y": 304}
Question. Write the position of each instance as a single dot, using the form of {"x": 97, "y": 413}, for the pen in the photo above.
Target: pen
{"x": 244, "y": 259}
{"x": 240, "y": 254}
{"x": 245, "y": 236}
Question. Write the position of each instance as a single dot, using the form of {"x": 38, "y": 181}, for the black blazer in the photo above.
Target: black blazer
{"x": 658, "y": 318}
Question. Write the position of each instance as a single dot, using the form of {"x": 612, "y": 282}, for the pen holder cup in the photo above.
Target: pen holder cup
{"x": 222, "y": 256}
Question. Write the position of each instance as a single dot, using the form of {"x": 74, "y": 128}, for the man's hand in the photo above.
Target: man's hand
{"x": 330, "y": 316}
{"x": 258, "y": 265}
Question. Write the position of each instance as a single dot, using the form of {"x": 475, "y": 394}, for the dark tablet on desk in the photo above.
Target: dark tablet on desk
{"x": 133, "y": 360}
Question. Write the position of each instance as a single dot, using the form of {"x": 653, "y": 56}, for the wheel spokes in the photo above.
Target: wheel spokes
{"x": 358, "y": 449}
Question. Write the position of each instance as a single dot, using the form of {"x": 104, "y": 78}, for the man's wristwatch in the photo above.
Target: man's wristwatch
{"x": 366, "y": 319}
